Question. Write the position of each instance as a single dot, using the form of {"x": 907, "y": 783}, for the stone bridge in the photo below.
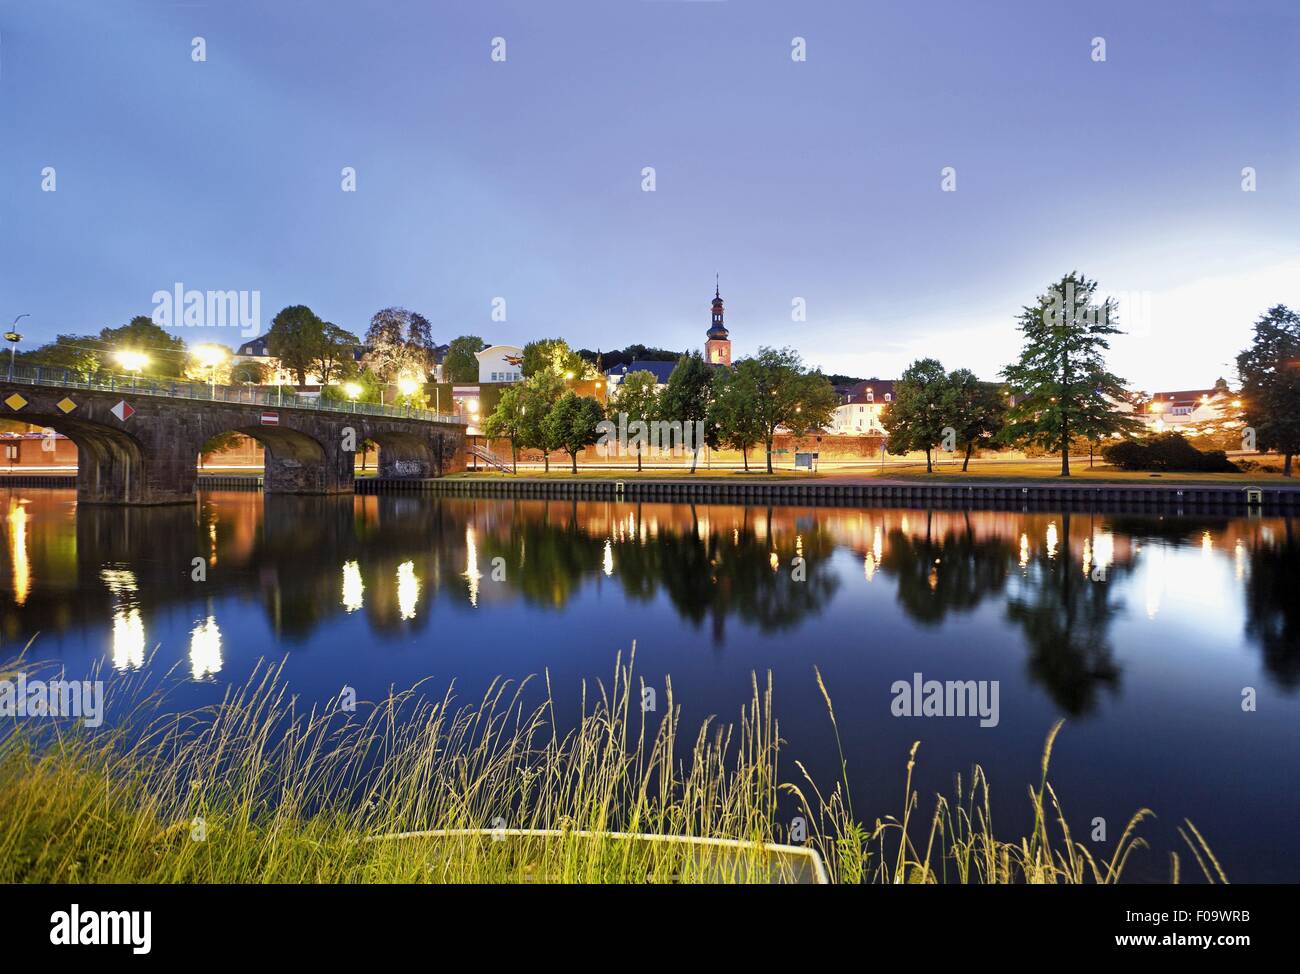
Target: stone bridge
{"x": 139, "y": 444}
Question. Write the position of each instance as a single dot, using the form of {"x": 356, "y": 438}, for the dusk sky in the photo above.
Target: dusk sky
{"x": 821, "y": 179}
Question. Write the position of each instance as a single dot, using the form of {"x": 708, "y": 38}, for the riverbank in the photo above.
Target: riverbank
{"x": 254, "y": 790}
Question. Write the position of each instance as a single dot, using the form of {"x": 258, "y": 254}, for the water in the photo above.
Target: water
{"x": 1143, "y": 632}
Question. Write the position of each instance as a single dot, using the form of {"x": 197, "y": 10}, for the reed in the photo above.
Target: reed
{"x": 256, "y": 789}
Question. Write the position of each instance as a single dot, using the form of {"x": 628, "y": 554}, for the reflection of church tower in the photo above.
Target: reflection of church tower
{"x": 717, "y": 350}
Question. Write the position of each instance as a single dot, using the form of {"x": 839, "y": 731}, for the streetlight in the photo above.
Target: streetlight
{"x": 407, "y": 386}
{"x": 352, "y": 390}
{"x": 211, "y": 357}
{"x": 132, "y": 361}
{"x": 13, "y": 338}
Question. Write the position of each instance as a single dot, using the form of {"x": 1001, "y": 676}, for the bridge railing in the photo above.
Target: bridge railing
{"x": 277, "y": 396}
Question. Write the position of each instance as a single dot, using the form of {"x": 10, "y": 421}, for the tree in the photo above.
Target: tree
{"x": 733, "y": 410}
{"x": 639, "y": 399}
{"x": 554, "y": 355}
{"x": 460, "y": 364}
{"x": 165, "y": 352}
{"x": 1061, "y": 386}
{"x": 507, "y": 421}
{"x": 336, "y": 358}
{"x": 685, "y": 399}
{"x": 399, "y": 343}
{"x": 976, "y": 410}
{"x": 572, "y": 424}
{"x": 1270, "y": 383}
{"x": 919, "y": 414}
{"x": 76, "y": 353}
{"x": 540, "y": 394}
{"x": 248, "y": 373}
{"x": 779, "y": 391}
{"x": 295, "y": 338}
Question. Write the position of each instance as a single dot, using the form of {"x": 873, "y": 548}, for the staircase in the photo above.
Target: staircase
{"x": 490, "y": 458}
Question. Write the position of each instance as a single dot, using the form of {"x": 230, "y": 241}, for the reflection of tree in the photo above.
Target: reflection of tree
{"x": 954, "y": 573}
{"x": 712, "y": 574}
{"x": 1273, "y": 606}
{"x": 546, "y": 559}
{"x": 1066, "y": 617}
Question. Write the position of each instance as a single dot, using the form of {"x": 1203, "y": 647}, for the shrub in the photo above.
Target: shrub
{"x": 1166, "y": 452}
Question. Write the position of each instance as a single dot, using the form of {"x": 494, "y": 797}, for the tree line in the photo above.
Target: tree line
{"x": 1059, "y": 393}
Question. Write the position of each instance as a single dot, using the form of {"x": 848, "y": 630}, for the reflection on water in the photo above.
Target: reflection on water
{"x": 1144, "y": 629}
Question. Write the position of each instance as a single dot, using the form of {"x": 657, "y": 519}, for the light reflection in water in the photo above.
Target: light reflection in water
{"x": 205, "y": 649}
{"x": 128, "y": 639}
{"x": 408, "y": 590}
{"x": 353, "y": 587}
{"x": 471, "y": 566}
{"x": 607, "y": 564}
{"x": 22, "y": 583}
{"x": 1052, "y": 539}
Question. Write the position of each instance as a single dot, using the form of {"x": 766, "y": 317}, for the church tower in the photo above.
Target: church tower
{"x": 717, "y": 350}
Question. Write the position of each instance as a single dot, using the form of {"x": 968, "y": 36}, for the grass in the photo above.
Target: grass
{"x": 256, "y": 790}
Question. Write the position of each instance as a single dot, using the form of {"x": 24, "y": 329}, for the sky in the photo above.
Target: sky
{"x": 485, "y": 185}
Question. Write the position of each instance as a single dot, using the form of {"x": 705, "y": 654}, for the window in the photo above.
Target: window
{"x": 871, "y": 397}
{"x": 889, "y": 397}
{"x": 1182, "y": 410}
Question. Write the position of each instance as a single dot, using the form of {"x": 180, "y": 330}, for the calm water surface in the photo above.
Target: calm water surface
{"x": 1143, "y": 632}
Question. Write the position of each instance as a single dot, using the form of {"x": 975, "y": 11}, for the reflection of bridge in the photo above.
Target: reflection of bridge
{"x": 138, "y": 440}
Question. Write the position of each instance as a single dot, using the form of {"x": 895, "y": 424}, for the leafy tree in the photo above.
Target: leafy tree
{"x": 638, "y": 398}
{"x": 218, "y": 443}
{"x": 1270, "y": 383}
{"x": 76, "y": 353}
{"x": 733, "y": 411}
{"x": 460, "y": 364}
{"x": 920, "y": 412}
{"x": 540, "y": 394}
{"x": 976, "y": 410}
{"x": 249, "y": 373}
{"x": 572, "y": 424}
{"x": 685, "y": 399}
{"x": 1061, "y": 384}
{"x": 295, "y": 338}
{"x": 626, "y": 356}
{"x": 165, "y": 352}
{"x": 785, "y": 394}
{"x": 554, "y": 355}
{"x": 335, "y": 359}
{"x": 507, "y": 421}
{"x": 399, "y": 342}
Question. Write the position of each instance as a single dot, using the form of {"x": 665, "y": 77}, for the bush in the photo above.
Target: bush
{"x": 1166, "y": 452}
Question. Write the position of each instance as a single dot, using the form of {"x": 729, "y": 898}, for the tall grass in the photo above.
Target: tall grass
{"x": 255, "y": 789}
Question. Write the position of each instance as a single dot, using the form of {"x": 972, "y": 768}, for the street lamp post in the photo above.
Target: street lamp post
{"x": 13, "y": 338}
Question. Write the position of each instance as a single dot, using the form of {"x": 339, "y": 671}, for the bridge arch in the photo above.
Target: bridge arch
{"x": 294, "y": 461}
{"x": 112, "y": 465}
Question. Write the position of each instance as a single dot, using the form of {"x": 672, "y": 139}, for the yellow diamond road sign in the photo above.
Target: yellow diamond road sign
{"x": 15, "y": 402}
{"x": 66, "y": 405}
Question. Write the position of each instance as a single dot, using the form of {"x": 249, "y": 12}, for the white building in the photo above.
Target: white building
{"x": 500, "y": 363}
{"x": 861, "y": 409}
{"x": 1185, "y": 410}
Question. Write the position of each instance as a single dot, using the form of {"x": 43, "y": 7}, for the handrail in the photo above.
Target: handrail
{"x": 40, "y": 375}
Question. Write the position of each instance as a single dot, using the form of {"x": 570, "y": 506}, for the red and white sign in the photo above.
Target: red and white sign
{"x": 270, "y": 419}
{"x": 123, "y": 411}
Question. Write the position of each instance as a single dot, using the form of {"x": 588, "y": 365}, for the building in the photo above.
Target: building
{"x": 1184, "y": 410}
{"x": 862, "y": 407}
{"x": 500, "y": 363}
{"x": 717, "y": 349}
{"x": 660, "y": 370}
{"x": 258, "y": 351}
